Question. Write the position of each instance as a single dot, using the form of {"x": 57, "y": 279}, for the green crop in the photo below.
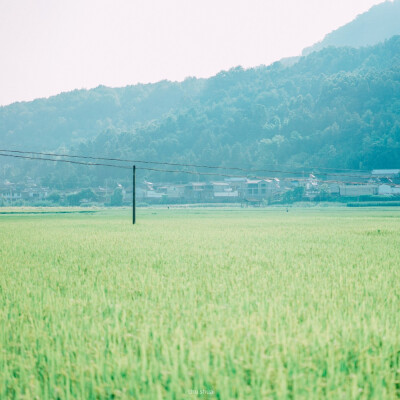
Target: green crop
{"x": 190, "y": 304}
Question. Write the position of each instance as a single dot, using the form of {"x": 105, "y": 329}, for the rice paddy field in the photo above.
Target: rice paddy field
{"x": 200, "y": 303}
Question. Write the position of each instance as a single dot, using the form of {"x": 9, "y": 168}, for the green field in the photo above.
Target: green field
{"x": 226, "y": 304}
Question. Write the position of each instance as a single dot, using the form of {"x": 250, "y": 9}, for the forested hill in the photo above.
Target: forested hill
{"x": 338, "y": 108}
{"x": 381, "y": 22}
{"x": 72, "y": 117}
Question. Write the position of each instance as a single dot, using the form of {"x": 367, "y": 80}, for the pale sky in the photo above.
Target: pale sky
{"x": 51, "y": 46}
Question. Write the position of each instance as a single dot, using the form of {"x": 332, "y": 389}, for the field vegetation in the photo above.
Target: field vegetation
{"x": 230, "y": 303}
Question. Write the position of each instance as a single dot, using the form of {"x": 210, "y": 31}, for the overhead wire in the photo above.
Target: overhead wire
{"x": 173, "y": 171}
{"x": 64, "y": 161}
{"x": 119, "y": 166}
{"x": 249, "y": 171}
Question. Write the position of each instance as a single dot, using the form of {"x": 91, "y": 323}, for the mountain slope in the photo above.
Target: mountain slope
{"x": 337, "y": 108}
{"x": 82, "y": 114}
{"x": 381, "y": 22}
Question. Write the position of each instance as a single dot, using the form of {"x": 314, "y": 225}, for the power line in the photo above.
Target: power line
{"x": 126, "y": 160}
{"x": 64, "y": 161}
{"x": 249, "y": 171}
{"x": 121, "y": 166}
{"x": 172, "y": 171}
{"x": 195, "y": 173}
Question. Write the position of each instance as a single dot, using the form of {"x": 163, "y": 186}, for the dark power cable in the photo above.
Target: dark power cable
{"x": 174, "y": 171}
{"x": 120, "y": 166}
{"x": 184, "y": 165}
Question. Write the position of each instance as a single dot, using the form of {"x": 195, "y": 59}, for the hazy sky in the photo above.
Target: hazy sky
{"x": 50, "y": 46}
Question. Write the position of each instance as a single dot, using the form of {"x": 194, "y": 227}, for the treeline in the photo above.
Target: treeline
{"x": 381, "y": 22}
{"x": 338, "y": 108}
{"x": 76, "y": 116}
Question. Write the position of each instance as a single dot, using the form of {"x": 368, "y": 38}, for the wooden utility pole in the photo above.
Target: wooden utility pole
{"x": 134, "y": 195}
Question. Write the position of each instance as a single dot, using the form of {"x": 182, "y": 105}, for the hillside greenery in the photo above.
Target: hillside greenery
{"x": 337, "y": 108}
{"x": 379, "y": 23}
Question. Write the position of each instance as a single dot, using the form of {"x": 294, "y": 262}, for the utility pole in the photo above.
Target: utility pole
{"x": 134, "y": 194}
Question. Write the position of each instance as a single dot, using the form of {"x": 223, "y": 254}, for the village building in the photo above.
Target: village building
{"x": 223, "y": 191}
{"x": 358, "y": 190}
{"x": 385, "y": 173}
{"x": 389, "y": 190}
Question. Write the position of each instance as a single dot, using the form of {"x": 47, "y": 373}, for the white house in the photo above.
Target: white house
{"x": 358, "y": 190}
{"x": 388, "y": 190}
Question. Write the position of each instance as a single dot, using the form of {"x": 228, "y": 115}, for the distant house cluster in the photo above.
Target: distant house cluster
{"x": 27, "y": 190}
{"x": 230, "y": 190}
{"x": 377, "y": 182}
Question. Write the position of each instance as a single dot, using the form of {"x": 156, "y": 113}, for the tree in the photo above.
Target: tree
{"x": 293, "y": 195}
{"x": 116, "y": 197}
{"x": 76, "y": 198}
{"x": 54, "y": 197}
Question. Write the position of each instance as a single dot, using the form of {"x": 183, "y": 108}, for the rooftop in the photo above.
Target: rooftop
{"x": 385, "y": 172}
